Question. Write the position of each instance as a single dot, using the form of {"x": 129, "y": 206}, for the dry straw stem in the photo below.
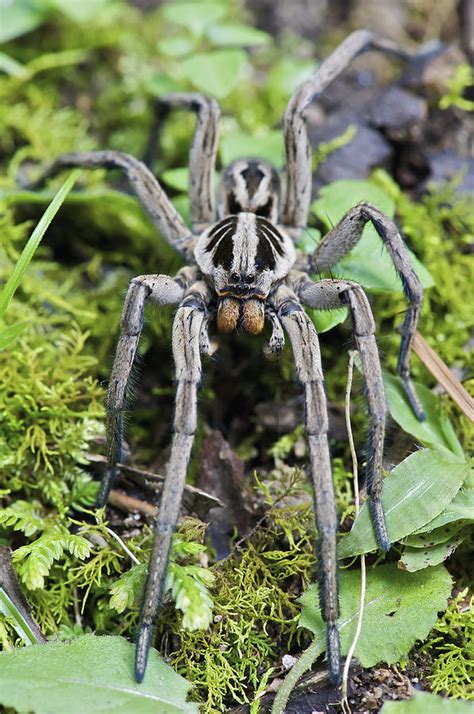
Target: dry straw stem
{"x": 345, "y": 675}
{"x": 443, "y": 375}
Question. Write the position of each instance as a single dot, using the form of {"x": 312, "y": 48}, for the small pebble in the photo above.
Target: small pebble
{"x": 288, "y": 661}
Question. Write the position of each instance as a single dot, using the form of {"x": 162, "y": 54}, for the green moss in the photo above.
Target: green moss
{"x": 451, "y": 645}
{"x": 255, "y": 604}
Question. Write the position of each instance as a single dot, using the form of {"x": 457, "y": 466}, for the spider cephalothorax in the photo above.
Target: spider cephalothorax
{"x": 244, "y": 256}
{"x": 244, "y": 269}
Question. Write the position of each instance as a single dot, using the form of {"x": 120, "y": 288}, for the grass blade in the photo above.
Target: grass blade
{"x": 33, "y": 242}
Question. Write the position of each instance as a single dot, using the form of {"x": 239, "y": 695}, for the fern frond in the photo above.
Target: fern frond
{"x": 34, "y": 560}
{"x": 23, "y": 516}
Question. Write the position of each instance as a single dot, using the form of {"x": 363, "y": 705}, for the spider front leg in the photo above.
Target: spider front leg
{"x": 305, "y": 344}
{"x": 330, "y": 294}
{"x": 341, "y": 239}
{"x": 202, "y": 156}
{"x": 142, "y": 182}
{"x": 164, "y": 291}
{"x": 297, "y": 146}
{"x": 187, "y": 330}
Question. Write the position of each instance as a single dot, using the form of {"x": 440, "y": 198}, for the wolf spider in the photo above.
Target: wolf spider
{"x": 244, "y": 270}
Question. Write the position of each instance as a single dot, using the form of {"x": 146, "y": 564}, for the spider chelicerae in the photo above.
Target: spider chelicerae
{"x": 244, "y": 270}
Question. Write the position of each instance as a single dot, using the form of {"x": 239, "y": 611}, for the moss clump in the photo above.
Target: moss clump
{"x": 451, "y": 645}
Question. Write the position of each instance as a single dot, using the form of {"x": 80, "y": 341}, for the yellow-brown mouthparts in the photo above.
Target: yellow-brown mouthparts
{"x": 250, "y": 312}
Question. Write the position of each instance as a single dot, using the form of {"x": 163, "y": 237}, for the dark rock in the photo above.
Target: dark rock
{"x": 304, "y": 17}
{"x": 398, "y": 113}
{"x": 447, "y": 165}
{"x": 357, "y": 159}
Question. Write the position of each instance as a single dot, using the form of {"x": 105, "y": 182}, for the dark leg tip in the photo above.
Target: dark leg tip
{"x": 144, "y": 636}
{"x": 378, "y": 520}
{"x": 107, "y": 482}
{"x": 413, "y": 398}
{"x": 334, "y": 654}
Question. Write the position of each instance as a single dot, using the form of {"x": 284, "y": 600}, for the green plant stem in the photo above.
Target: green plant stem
{"x": 299, "y": 668}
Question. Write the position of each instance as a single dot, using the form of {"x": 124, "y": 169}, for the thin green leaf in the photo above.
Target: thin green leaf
{"x": 426, "y": 703}
{"x": 9, "y": 334}
{"x": 11, "y": 67}
{"x": 436, "y": 430}
{"x": 33, "y": 242}
{"x": 214, "y": 72}
{"x": 404, "y": 606}
{"x": 20, "y": 624}
{"x": 377, "y": 273}
{"x": 414, "y": 493}
{"x": 89, "y": 674}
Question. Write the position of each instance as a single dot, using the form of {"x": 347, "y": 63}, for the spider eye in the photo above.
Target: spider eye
{"x": 234, "y": 277}
{"x": 249, "y": 278}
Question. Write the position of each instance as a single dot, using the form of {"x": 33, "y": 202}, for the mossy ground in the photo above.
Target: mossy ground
{"x": 85, "y": 85}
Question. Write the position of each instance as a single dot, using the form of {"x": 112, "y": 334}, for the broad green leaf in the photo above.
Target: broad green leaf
{"x": 308, "y": 240}
{"x": 235, "y": 35}
{"x": 160, "y": 83}
{"x": 368, "y": 263}
{"x": 176, "y": 46}
{"x": 414, "y": 559}
{"x": 177, "y": 178}
{"x": 215, "y": 72}
{"x": 195, "y": 16}
{"x": 83, "y": 11}
{"x": 89, "y": 674}
{"x": 9, "y": 334}
{"x": 436, "y": 430}
{"x": 18, "y": 18}
{"x": 325, "y": 320}
{"x": 286, "y": 75}
{"x": 434, "y": 537}
{"x": 414, "y": 493}
{"x": 426, "y": 703}
{"x": 461, "y": 507}
{"x": 33, "y": 242}
{"x": 238, "y": 145}
{"x": 399, "y": 609}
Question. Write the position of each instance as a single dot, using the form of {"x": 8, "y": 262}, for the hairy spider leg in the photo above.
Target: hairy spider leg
{"x": 340, "y": 241}
{"x": 297, "y": 146}
{"x": 187, "y": 328}
{"x": 144, "y": 185}
{"x": 305, "y": 345}
{"x": 330, "y": 294}
{"x": 164, "y": 291}
{"x": 202, "y": 155}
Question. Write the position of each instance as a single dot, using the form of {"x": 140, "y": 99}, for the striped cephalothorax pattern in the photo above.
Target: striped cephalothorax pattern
{"x": 244, "y": 269}
{"x": 244, "y": 256}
